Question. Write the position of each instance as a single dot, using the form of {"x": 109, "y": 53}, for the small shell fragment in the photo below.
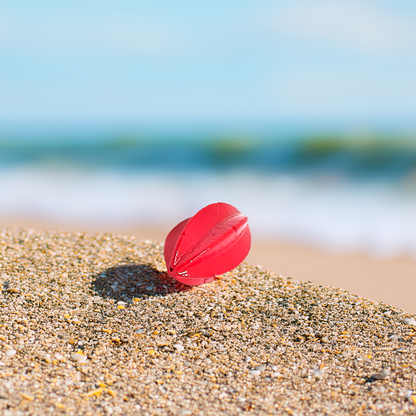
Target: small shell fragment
{"x": 179, "y": 347}
{"x": 95, "y": 392}
{"x": 382, "y": 375}
{"x": 26, "y": 397}
{"x": 112, "y": 393}
{"x": 318, "y": 372}
{"x": 10, "y": 352}
{"x": 78, "y": 357}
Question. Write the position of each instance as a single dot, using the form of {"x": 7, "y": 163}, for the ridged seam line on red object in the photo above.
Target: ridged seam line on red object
{"x": 237, "y": 230}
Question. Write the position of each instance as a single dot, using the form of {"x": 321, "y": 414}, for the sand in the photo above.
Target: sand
{"x": 388, "y": 280}
{"x": 92, "y": 325}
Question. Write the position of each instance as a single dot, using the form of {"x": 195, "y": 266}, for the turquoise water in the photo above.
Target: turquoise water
{"x": 355, "y": 158}
{"x": 343, "y": 194}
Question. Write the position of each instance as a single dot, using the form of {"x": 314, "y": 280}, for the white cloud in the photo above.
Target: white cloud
{"x": 361, "y": 26}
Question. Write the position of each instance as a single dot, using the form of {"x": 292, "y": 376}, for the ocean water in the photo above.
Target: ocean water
{"x": 344, "y": 196}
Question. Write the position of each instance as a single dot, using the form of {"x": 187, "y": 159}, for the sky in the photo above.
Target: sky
{"x": 126, "y": 62}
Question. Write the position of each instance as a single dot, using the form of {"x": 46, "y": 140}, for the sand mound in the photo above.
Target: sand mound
{"x": 93, "y": 325}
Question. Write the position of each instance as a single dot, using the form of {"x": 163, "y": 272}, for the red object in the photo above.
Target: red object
{"x": 212, "y": 242}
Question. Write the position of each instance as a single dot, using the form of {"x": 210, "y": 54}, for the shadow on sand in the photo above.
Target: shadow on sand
{"x": 123, "y": 283}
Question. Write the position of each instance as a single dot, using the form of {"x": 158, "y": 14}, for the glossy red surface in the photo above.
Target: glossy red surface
{"x": 214, "y": 241}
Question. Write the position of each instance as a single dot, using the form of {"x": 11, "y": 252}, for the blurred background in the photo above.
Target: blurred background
{"x": 130, "y": 116}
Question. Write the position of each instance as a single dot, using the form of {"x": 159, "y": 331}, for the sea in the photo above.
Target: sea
{"x": 340, "y": 194}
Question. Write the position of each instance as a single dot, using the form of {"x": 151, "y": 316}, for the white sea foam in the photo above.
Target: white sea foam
{"x": 373, "y": 217}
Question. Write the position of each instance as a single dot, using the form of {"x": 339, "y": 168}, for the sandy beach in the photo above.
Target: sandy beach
{"x": 389, "y": 280}
{"x": 92, "y": 325}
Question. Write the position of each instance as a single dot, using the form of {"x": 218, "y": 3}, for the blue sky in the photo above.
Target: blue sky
{"x": 162, "y": 61}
